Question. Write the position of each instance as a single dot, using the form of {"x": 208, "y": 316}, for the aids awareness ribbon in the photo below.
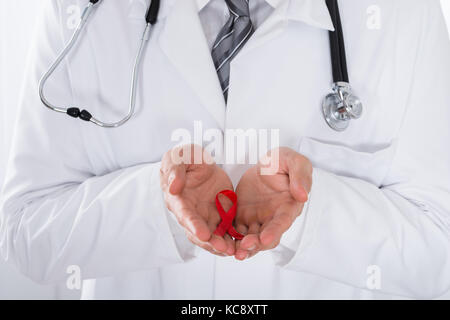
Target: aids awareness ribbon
{"x": 226, "y": 225}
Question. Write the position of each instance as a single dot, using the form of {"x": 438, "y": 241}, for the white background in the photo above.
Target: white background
{"x": 17, "y": 20}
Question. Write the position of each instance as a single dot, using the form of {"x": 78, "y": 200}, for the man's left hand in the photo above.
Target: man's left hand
{"x": 269, "y": 204}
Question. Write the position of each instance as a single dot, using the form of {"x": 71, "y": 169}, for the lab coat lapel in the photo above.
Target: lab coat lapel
{"x": 184, "y": 43}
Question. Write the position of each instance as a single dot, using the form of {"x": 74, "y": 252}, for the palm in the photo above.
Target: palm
{"x": 263, "y": 197}
{"x": 203, "y": 183}
{"x": 266, "y": 210}
{"x": 189, "y": 193}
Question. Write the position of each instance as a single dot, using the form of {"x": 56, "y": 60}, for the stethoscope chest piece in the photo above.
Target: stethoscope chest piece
{"x": 341, "y": 106}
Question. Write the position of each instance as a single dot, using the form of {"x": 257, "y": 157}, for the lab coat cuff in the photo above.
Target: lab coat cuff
{"x": 173, "y": 240}
{"x": 295, "y": 242}
{"x": 186, "y": 249}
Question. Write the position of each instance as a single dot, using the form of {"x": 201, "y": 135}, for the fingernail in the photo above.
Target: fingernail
{"x": 253, "y": 247}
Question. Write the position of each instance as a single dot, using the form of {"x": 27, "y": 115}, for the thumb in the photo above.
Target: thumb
{"x": 300, "y": 181}
{"x": 297, "y": 190}
{"x": 177, "y": 179}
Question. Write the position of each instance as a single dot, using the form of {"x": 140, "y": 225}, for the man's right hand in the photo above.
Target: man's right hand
{"x": 190, "y": 190}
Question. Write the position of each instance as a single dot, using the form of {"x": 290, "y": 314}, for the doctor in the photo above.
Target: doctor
{"x": 358, "y": 214}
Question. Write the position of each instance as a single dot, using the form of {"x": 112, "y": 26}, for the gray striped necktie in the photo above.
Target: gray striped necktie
{"x": 231, "y": 39}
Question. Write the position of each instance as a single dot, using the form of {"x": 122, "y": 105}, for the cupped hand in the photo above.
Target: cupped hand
{"x": 268, "y": 204}
{"x": 190, "y": 184}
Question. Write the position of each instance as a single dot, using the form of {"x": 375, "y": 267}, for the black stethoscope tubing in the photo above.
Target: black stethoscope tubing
{"x": 337, "y": 44}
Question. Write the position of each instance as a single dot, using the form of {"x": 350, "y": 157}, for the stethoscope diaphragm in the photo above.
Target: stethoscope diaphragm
{"x": 341, "y": 106}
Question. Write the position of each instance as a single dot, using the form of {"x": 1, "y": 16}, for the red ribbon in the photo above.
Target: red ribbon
{"x": 226, "y": 225}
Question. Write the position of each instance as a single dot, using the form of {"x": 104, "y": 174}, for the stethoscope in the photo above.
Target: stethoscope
{"x": 342, "y": 105}
{"x": 339, "y": 107}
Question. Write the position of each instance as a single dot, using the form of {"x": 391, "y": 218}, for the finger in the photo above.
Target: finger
{"x": 251, "y": 241}
{"x": 205, "y": 246}
{"x": 231, "y": 245}
{"x": 177, "y": 179}
{"x": 271, "y": 234}
{"x": 196, "y": 225}
{"x": 218, "y": 243}
{"x": 210, "y": 210}
{"x": 240, "y": 253}
{"x": 173, "y": 168}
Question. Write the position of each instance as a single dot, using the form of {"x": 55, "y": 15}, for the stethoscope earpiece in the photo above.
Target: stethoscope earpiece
{"x": 341, "y": 106}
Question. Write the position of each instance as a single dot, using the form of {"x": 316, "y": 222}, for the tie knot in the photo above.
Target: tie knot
{"x": 239, "y": 8}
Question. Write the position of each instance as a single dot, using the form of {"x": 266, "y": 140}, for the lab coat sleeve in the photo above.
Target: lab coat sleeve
{"x": 393, "y": 238}
{"x": 55, "y": 211}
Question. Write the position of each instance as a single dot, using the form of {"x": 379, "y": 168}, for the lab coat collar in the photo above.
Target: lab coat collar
{"x": 312, "y": 12}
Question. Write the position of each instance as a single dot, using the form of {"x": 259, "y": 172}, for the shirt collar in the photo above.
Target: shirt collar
{"x": 312, "y": 12}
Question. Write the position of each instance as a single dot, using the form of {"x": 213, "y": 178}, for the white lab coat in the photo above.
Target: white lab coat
{"x": 76, "y": 194}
